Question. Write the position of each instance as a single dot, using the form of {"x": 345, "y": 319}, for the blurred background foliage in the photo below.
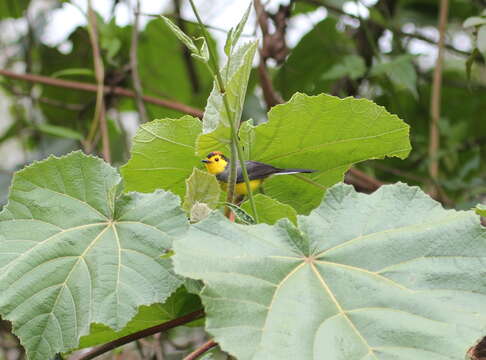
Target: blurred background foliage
{"x": 384, "y": 50}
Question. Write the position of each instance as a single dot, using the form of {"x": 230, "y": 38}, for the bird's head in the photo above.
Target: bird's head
{"x": 215, "y": 162}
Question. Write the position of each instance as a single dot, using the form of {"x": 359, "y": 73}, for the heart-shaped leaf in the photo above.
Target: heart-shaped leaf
{"x": 74, "y": 252}
{"x": 390, "y": 275}
{"x": 327, "y": 134}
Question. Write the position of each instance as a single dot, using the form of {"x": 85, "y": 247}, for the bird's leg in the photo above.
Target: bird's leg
{"x": 262, "y": 191}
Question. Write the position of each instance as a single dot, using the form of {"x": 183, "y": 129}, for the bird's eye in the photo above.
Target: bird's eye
{"x": 217, "y": 159}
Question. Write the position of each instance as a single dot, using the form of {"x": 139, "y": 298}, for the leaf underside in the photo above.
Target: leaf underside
{"x": 75, "y": 252}
{"x": 390, "y": 275}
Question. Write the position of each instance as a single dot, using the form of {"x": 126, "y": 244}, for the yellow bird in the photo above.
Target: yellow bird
{"x": 217, "y": 164}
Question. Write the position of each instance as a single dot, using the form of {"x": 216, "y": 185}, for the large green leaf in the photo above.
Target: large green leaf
{"x": 216, "y": 123}
{"x": 326, "y": 134}
{"x": 74, "y": 252}
{"x": 391, "y": 275}
{"x": 162, "y": 155}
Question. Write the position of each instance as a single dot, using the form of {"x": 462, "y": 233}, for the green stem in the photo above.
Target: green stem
{"x": 236, "y": 146}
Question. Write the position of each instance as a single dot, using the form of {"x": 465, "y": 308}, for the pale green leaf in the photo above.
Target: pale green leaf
{"x": 474, "y": 21}
{"x": 326, "y": 134}
{"x": 201, "y": 187}
{"x": 229, "y": 42}
{"x": 216, "y": 123}
{"x": 481, "y": 41}
{"x": 241, "y": 25}
{"x": 270, "y": 210}
{"x": 178, "y": 304}
{"x": 186, "y": 40}
{"x": 162, "y": 155}
{"x": 73, "y": 252}
{"x": 391, "y": 275}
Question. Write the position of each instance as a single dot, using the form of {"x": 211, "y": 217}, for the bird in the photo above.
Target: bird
{"x": 218, "y": 164}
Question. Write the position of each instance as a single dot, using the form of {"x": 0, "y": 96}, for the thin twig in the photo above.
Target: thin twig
{"x": 137, "y": 84}
{"x": 201, "y": 350}
{"x": 434, "y": 135}
{"x": 186, "y": 53}
{"x": 114, "y": 90}
{"x": 141, "y": 334}
{"x": 99, "y": 116}
{"x": 236, "y": 148}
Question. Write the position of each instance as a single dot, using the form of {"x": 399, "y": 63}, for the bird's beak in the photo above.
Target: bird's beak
{"x": 205, "y": 161}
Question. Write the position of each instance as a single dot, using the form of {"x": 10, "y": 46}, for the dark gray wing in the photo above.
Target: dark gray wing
{"x": 256, "y": 170}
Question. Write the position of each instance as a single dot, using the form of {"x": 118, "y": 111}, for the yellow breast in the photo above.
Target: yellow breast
{"x": 240, "y": 188}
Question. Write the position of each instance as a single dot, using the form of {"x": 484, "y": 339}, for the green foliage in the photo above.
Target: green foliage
{"x": 352, "y": 66}
{"x": 326, "y": 134}
{"x": 164, "y": 70}
{"x": 201, "y": 187}
{"x": 400, "y": 71}
{"x": 74, "y": 252}
{"x": 54, "y": 63}
{"x": 13, "y": 8}
{"x": 382, "y": 285}
{"x": 163, "y": 155}
{"x": 390, "y": 275}
{"x": 271, "y": 210}
{"x": 302, "y": 71}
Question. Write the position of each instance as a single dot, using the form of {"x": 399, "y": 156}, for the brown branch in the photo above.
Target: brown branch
{"x": 201, "y": 350}
{"x": 140, "y": 334}
{"x": 113, "y": 90}
{"x": 99, "y": 116}
{"x": 137, "y": 84}
{"x": 434, "y": 141}
{"x": 261, "y": 16}
{"x": 271, "y": 97}
{"x": 186, "y": 53}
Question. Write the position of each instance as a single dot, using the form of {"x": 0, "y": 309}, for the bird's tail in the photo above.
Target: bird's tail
{"x": 293, "y": 171}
